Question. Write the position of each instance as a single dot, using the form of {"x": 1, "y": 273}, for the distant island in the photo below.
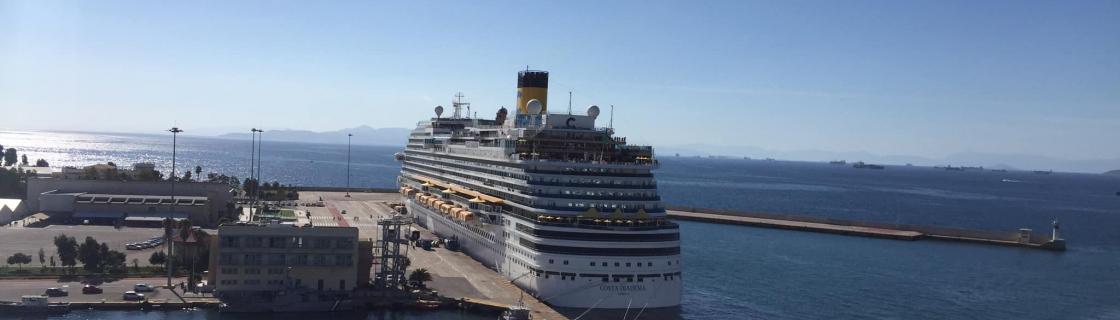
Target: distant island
{"x": 1116, "y": 172}
{"x": 363, "y": 135}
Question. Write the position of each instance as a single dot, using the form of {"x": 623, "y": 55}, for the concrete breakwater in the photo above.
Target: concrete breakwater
{"x": 1019, "y": 238}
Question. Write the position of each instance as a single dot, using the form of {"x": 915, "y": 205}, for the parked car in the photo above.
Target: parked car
{"x": 133, "y": 296}
{"x": 56, "y": 292}
{"x": 91, "y": 289}
{"x": 143, "y": 287}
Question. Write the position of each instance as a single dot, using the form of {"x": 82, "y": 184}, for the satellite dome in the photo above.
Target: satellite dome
{"x": 439, "y": 111}
{"x": 593, "y": 111}
{"x": 534, "y": 106}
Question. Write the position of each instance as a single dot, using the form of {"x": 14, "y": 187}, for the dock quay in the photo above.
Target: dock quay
{"x": 1023, "y": 238}
{"x": 460, "y": 280}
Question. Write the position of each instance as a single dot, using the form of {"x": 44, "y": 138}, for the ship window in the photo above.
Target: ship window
{"x": 565, "y": 262}
{"x": 604, "y": 263}
{"x": 649, "y": 264}
{"x": 604, "y": 279}
{"x": 550, "y": 261}
{"x": 616, "y": 264}
{"x": 592, "y": 263}
{"x": 627, "y": 264}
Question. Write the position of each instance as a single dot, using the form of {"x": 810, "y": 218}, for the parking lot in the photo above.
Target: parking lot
{"x": 29, "y": 240}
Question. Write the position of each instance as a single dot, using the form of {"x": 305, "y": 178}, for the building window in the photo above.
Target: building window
{"x": 253, "y": 259}
{"x": 322, "y": 243}
{"x": 344, "y": 243}
{"x": 342, "y": 285}
{"x": 277, "y": 242}
{"x": 299, "y": 260}
{"x": 227, "y": 259}
{"x": 230, "y": 242}
{"x": 229, "y": 270}
{"x": 275, "y": 271}
{"x": 252, "y": 271}
{"x": 344, "y": 260}
{"x": 253, "y": 242}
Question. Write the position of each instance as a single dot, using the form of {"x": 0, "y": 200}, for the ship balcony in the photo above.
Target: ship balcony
{"x": 600, "y": 223}
{"x": 649, "y": 186}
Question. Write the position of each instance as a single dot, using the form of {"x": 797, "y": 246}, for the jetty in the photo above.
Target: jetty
{"x": 1024, "y": 238}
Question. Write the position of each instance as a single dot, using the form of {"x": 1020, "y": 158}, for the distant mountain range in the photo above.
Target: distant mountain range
{"x": 1116, "y": 172}
{"x": 987, "y": 160}
{"x": 363, "y": 135}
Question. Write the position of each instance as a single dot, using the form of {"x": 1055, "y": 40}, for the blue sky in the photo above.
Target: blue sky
{"x": 924, "y": 78}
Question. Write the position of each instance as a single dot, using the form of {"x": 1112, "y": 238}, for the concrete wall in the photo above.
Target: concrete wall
{"x": 52, "y": 201}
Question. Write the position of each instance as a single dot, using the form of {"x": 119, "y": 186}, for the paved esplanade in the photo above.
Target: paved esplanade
{"x": 454, "y": 274}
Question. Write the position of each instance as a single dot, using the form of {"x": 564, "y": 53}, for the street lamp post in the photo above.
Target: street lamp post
{"x": 260, "y": 162}
{"x": 170, "y": 216}
{"x": 348, "y": 136}
{"x": 253, "y": 173}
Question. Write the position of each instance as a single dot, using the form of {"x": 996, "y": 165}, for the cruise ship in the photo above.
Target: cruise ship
{"x": 561, "y": 207}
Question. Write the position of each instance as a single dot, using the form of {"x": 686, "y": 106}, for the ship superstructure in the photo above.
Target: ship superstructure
{"x": 561, "y": 207}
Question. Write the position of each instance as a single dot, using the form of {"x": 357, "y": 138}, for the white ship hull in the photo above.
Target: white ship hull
{"x": 577, "y": 291}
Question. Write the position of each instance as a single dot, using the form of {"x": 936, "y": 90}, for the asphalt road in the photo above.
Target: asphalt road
{"x": 13, "y": 289}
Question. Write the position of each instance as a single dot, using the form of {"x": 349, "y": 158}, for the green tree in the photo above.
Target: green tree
{"x": 186, "y": 176}
{"x": 198, "y": 172}
{"x": 10, "y": 157}
{"x": 420, "y": 275}
{"x": 20, "y": 259}
{"x": 24, "y": 159}
{"x": 89, "y": 253}
{"x": 42, "y": 163}
{"x": 158, "y": 258}
{"x": 116, "y": 260}
{"x": 67, "y": 250}
{"x": 43, "y": 258}
{"x": 53, "y": 263}
{"x": 136, "y": 265}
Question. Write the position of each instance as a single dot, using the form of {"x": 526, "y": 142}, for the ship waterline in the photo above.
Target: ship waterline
{"x": 560, "y": 207}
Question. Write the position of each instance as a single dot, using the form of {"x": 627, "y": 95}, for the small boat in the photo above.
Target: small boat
{"x": 516, "y": 312}
{"x": 838, "y": 162}
{"x": 1044, "y": 172}
{"x": 33, "y": 304}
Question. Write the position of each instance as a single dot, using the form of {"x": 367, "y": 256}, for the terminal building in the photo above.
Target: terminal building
{"x": 253, "y": 262}
{"x": 129, "y": 202}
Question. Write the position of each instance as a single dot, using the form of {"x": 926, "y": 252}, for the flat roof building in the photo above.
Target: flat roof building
{"x": 204, "y": 203}
{"x": 257, "y": 261}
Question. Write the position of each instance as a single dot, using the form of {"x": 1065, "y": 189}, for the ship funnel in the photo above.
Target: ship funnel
{"x": 532, "y": 85}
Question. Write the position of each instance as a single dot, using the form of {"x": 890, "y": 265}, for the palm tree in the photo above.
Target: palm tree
{"x": 420, "y": 275}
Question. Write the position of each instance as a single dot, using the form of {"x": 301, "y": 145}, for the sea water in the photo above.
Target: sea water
{"x": 753, "y": 273}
